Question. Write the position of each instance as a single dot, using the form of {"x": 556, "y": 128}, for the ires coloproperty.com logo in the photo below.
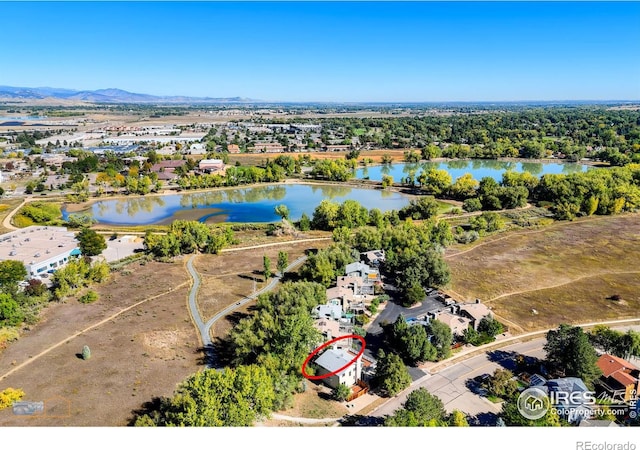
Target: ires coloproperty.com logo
{"x": 534, "y": 403}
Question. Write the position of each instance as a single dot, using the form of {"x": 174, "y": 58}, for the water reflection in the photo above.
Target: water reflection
{"x": 255, "y": 204}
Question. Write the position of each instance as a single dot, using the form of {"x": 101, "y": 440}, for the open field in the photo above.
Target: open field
{"x": 564, "y": 271}
{"x": 228, "y": 278}
{"x": 137, "y": 355}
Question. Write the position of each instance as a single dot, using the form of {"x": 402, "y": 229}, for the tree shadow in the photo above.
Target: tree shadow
{"x": 251, "y": 278}
{"x": 151, "y": 408}
{"x": 506, "y": 359}
{"x": 358, "y": 420}
{"x": 475, "y": 387}
{"x": 79, "y": 356}
{"x": 235, "y": 317}
{"x": 485, "y": 419}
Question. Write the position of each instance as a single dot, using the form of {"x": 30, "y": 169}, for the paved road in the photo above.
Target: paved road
{"x": 203, "y": 328}
{"x": 453, "y": 384}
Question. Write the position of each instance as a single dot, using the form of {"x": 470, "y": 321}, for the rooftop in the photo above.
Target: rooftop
{"x": 35, "y": 244}
{"x": 334, "y": 360}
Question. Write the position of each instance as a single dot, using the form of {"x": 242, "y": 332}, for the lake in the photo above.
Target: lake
{"x": 478, "y": 168}
{"x": 253, "y": 204}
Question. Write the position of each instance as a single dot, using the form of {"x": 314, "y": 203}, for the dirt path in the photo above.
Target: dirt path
{"x": 271, "y": 244}
{"x": 508, "y": 294}
{"x": 526, "y": 233}
{"x": 91, "y": 327}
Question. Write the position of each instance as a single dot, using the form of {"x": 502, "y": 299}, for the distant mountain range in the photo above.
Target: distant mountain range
{"x": 107, "y": 96}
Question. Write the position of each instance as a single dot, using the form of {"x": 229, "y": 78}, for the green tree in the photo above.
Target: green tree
{"x": 211, "y": 398}
{"x": 387, "y": 181}
{"x": 90, "y": 242}
{"x": 342, "y": 392}
{"x": 11, "y": 273}
{"x": 512, "y": 416}
{"x": 283, "y": 262}
{"x": 501, "y": 384}
{"x": 464, "y": 187}
{"x": 570, "y": 353}
{"x": 283, "y": 211}
{"x": 391, "y": 374}
{"x": 490, "y": 326}
{"x": 441, "y": 338}
{"x": 10, "y": 313}
{"x": 422, "y": 409}
{"x": 458, "y": 419}
{"x": 266, "y": 262}
{"x": 305, "y": 223}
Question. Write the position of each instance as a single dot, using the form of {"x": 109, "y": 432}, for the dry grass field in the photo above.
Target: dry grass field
{"x": 137, "y": 355}
{"x": 565, "y": 272}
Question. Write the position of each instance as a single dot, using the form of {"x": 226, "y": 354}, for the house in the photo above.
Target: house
{"x": 374, "y": 257}
{"x": 457, "y": 323}
{"x": 619, "y": 378}
{"x": 166, "y": 169}
{"x": 233, "y": 148}
{"x": 332, "y": 360}
{"x": 332, "y": 328}
{"x": 366, "y": 276}
{"x": 331, "y": 310}
{"x": 475, "y": 312}
{"x": 571, "y": 398}
{"x": 210, "y": 165}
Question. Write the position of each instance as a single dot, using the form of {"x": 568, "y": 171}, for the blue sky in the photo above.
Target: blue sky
{"x": 332, "y": 51}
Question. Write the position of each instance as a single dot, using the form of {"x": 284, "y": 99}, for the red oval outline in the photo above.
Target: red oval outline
{"x": 326, "y": 344}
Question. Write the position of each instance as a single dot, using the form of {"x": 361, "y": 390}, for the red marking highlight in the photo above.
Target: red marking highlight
{"x": 325, "y": 345}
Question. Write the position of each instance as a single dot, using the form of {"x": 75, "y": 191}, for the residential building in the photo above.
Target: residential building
{"x": 619, "y": 378}
{"x": 331, "y": 310}
{"x": 332, "y": 360}
{"x": 211, "y": 165}
{"x": 457, "y": 323}
{"x": 334, "y": 328}
{"x": 166, "y": 169}
{"x": 42, "y": 249}
{"x": 374, "y": 257}
{"x": 233, "y": 148}
{"x": 574, "y": 403}
{"x": 475, "y": 312}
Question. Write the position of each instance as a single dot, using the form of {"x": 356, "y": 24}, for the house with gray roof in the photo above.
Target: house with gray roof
{"x": 332, "y": 360}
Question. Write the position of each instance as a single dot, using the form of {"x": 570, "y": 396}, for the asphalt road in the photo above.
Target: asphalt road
{"x": 455, "y": 387}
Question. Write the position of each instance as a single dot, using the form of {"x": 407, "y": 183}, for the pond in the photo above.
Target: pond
{"x": 478, "y": 168}
{"x": 244, "y": 205}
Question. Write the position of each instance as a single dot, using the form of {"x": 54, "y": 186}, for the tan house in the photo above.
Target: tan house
{"x": 475, "y": 312}
{"x": 457, "y": 323}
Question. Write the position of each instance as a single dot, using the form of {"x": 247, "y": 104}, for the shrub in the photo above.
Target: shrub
{"x": 472, "y": 204}
{"x": 89, "y": 297}
{"x": 86, "y": 352}
{"x": 10, "y": 395}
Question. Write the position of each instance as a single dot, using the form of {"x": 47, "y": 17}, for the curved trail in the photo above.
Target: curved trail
{"x": 205, "y": 327}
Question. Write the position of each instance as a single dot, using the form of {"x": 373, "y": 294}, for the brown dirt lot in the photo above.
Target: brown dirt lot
{"x": 376, "y": 155}
{"x": 140, "y": 354}
{"x": 564, "y": 271}
{"x": 228, "y": 278}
